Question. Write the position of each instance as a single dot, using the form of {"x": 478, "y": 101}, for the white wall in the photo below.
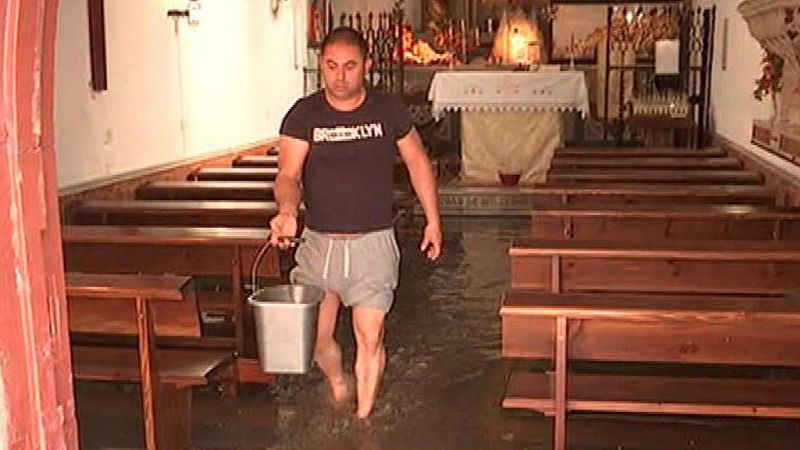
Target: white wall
{"x": 228, "y": 79}
{"x": 733, "y": 107}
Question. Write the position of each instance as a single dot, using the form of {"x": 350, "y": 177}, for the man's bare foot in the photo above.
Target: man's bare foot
{"x": 340, "y": 390}
{"x": 363, "y": 412}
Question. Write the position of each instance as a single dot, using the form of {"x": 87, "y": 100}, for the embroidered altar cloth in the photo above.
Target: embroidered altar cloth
{"x": 508, "y": 91}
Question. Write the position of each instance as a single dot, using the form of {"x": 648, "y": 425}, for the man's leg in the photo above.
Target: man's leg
{"x": 370, "y": 356}
{"x": 327, "y": 353}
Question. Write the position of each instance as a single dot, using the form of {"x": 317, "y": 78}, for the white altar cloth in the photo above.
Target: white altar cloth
{"x": 508, "y": 91}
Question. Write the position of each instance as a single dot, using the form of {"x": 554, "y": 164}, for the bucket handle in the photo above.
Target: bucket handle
{"x": 254, "y": 272}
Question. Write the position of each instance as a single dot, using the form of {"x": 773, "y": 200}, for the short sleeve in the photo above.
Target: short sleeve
{"x": 295, "y": 122}
{"x": 400, "y": 119}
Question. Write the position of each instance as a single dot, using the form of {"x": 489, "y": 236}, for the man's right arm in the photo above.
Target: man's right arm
{"x": 292, "y": 155}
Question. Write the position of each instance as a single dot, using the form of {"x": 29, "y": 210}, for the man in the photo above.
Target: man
{"x": 341, "y": 142}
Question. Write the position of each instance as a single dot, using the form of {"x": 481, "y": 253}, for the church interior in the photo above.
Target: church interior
{"x": 619, "y": 186}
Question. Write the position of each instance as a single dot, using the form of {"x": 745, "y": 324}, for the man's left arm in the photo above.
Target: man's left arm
{"x": 424, "y": 183}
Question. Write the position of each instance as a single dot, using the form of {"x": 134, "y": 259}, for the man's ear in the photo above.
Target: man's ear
{"x": 367, "y": 64}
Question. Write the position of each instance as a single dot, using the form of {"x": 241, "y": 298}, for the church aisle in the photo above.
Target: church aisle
{"x": 443, "y": 383}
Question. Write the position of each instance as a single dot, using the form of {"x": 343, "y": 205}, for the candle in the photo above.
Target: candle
{"x": 572, "y": 51}
{"x": 450, "y": 34}
{"x": 464, "y": 40}
{"x": 572, "y": 44}
{"x": 477, "y": 37}
{"x": 489, "y": 26}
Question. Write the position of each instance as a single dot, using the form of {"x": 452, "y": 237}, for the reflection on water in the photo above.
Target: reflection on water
{"x": 443, "y": 345}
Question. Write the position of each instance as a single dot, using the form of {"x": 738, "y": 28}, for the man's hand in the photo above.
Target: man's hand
{"x": 431, "y": 241}
{"x": 281, "y": 226}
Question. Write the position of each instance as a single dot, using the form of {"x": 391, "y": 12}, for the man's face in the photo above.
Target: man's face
{"x": 343, "y": 69}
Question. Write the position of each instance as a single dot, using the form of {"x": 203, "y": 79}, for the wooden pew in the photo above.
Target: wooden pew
{"x": 234, "y": 174}
{"x": 678, "y": 221}
{"x": 616, "y": 152}
{"x": 520, "y": 201}
{"x": 644, "y": 176}
{"x": 219, "y": 213}
{"x": 561, "y": 164}
{"x": 145, "y": 306}
{"x": 228, "y": 252}
{"x": 686, "y": 330}
{"x": 206, "y": 190}
{"x": 650, "y": 194}
{"x": 718, "y": 267}
{"x": 256, "y": 161}
{"x": 240, "y": 190}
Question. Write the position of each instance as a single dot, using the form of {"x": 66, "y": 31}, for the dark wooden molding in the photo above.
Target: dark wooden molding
{"x": 97, "y": 44}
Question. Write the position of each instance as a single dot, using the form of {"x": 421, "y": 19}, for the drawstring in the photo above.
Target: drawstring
{"x": 346, "y": 259}
{"x": 327, "y": 266}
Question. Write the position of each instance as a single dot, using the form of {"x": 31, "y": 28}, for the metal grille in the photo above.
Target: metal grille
{"x": 383, "y": 33}
{"x": 631, "y": 76}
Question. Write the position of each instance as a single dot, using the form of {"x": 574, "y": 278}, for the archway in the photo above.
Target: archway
{"x": 37, "y": 409}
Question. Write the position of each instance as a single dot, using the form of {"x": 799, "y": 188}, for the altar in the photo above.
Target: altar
{"x": 510, "y": 121}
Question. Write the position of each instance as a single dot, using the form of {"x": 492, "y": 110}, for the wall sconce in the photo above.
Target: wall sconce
{"x": 192, "y": 12}
{"x": 274, "y": 5}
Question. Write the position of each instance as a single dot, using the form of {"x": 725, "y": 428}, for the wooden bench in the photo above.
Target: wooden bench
{"x": 678, "y": 221}
{"x": 403, "y": 200}
{"x": 686, "y": 330}
{"x": 561, "y": 164}
{"x": 220, "y": 213}
{"x": 644, "y": 176}
{"x": 226, "y": 252}
{"x": 616, "y": 152}
{"x": 261, "y": 161}
{"x": 650, "y": 194}
{"x": 720, "y": 267}
{"x": 521, "y": 201}
{"x": 145, "y": 306}
{"x": 234, "y": 174}
{"x": 256, "y": 161}
{"x": 206, "y": 190}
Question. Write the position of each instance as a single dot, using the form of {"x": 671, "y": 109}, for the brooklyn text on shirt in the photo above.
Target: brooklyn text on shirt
{"x": 346, "y": 133}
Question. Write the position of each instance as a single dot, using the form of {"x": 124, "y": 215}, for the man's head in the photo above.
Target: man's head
{"x": 344, "y": 62}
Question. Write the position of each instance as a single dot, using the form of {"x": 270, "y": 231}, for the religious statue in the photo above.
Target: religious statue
{"x": 436, "y": 16}
{"x": 518, "y": 39}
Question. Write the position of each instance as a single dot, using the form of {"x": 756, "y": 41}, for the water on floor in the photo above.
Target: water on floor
{"x": 443, "y": 384}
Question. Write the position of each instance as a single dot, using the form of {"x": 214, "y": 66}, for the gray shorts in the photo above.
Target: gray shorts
{"x": 362, "y": 270}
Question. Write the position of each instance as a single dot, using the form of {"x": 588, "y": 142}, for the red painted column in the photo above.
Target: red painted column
{"x": 36, "y": 400}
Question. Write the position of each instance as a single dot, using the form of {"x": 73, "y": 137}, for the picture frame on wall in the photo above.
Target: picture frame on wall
{"x": 578, "y": 27}
{"x": 576, "y": 30}
{"x": 319, "y": 18}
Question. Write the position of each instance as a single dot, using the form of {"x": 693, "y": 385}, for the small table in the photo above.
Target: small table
{"x": 654, "y": 123}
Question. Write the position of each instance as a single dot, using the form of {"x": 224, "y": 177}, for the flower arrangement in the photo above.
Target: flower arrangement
{"x": 771, "y": 74}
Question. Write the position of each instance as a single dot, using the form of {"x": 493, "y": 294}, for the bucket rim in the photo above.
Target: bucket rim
{"x": 254, "y": 301}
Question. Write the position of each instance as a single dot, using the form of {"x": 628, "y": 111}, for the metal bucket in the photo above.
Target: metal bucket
{"x": 286, "y": 324}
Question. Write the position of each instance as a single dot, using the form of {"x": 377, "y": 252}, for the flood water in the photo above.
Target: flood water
{"x": 443, "y": 384}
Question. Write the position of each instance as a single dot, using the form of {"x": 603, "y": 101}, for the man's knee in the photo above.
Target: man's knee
{"x": 369, "y": 342}
{"x": 368, "y": 325}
